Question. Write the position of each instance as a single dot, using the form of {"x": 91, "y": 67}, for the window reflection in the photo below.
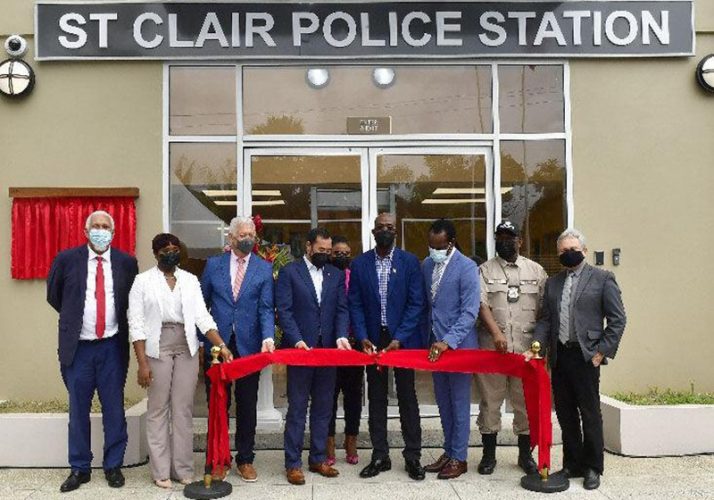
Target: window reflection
{"x": 202, "y": 197}
{"x": 531, "y": 98}
{"x": 202, "y": 100}
{"x": 421, "y": 99}
{"x": 533, "y": 179}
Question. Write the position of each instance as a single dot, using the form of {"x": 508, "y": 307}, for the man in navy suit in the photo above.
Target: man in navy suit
{"x": 312, "y": 311}
{"x": 238, "y": 288}
{"x": 386, "y": 299}
{"x": 89, "y": 286}
{"x": 452, "y": 283}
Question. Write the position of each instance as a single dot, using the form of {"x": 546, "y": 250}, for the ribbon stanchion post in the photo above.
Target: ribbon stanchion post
{"x": 217, "y": 443}
{"x": 536, "y": 388}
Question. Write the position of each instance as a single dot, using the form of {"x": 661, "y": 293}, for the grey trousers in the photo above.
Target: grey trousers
{"x": 494, "y": 389}
{"x": 169, "y": 419}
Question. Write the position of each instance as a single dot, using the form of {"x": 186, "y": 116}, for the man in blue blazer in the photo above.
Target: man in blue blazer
{"x": 312, "y": 311}
{"x": 89, "y": 286}
{"x": 238, "y": 289}
{"x": 386, "y": 299}
{"x": 452, "y": 283}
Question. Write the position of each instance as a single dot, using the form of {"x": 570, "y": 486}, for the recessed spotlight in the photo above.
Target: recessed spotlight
{"x": 383, "y": 77}
{"x": 317, "y": 78}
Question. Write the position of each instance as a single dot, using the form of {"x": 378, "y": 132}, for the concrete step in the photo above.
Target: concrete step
{"x": 432, "y": 435}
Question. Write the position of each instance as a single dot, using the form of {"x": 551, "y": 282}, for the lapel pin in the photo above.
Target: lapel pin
{"x": 394, "y": 270}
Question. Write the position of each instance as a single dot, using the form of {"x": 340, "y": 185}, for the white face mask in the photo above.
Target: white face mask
{"x": 100, "y": 238}
{"x": 438, "y": 256}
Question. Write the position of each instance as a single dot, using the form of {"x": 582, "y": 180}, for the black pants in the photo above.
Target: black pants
{"x": 576, "y": 389}
{"x": 349, "y": 381}
{"x": 377, "y": 388}
{"x": 246, "y": 394}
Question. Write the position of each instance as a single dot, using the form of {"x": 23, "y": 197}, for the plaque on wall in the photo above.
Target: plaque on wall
{"x": 369, "y": 125}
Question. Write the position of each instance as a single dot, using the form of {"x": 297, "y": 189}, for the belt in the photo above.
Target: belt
{"x": 96, "y": 341}
{"x": 571, "y": 344}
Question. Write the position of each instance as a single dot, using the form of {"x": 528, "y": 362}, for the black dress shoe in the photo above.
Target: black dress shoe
{"x": 592, "y": 480}
{"x": 75, "y": 480}
{"x": 414, "y": 469}
{"x": 487, "y": 465}
{"x": 115, "y": 478}
{"x": 570, "y": 473}
{"x": 527, "y": 464}
{"x": 376, "y": 466}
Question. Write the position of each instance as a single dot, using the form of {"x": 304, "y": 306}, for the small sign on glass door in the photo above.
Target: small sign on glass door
{"x": 366, "y": 125}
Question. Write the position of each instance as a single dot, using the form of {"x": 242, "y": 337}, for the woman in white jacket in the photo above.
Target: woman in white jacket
{"x": 165, "y": 307}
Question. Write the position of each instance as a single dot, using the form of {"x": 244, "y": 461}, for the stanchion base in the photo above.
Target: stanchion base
{"x": 554, "y": 483}
{"x": 198, "y": 490}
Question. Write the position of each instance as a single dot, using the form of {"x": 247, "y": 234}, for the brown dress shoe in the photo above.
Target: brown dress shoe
{"x": 439, "y": 464}
{"x": 351, "y": 449}
{"x": 330, "y": 450}
{"x": 454, "y": 468}
{"x": 295, "y": 476}
{"x": 247, "y": 473}
{"x": 324, "y": 470}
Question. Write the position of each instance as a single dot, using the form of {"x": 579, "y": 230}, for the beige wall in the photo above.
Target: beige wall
{"x": 644, "y": 177}
{"x": 84, "y": 125}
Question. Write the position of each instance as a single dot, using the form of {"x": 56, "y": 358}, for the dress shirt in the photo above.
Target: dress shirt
{"x": 171, "y": 308}
{"x": 234, "y": 265}
{"x": 89, "y": 319}
{"x": 316, "y": 275}
{"x": 384, "y": 267}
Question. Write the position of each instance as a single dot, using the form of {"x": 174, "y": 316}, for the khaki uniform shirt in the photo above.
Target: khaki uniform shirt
{"x": 515, "y": 319}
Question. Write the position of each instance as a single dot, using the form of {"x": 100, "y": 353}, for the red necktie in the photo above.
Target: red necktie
{"x": 101, "y": 300}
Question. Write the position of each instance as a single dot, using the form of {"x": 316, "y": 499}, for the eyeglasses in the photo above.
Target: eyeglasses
{"x": 341, "y": 254}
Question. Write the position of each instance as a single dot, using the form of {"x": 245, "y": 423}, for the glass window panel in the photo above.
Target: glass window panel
{"x": 531, "y": 98}
{"x": 294, "y": 193}
{"x": 534, "y": 196}
{"x": 202, "y": 197}
{"x": 433, "y": 99}
{"x": 202, "y": 100}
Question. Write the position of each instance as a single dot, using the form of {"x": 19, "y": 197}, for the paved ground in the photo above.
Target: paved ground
{"x": 651, "y": 478}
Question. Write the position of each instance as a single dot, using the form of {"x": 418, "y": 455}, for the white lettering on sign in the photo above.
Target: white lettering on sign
{"x": 72, "y": 29}
{"x": 577, "y": 17}
{"x": 103, "y": 22}
{"x": 522, "y": 18}
{"x": 327, "y": 29}
{"x": 488, "y": 24}
{"x": 259, "y": 23}
{"x": 138, "y": 26}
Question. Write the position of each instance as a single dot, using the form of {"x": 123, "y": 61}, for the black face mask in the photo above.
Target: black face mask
{"x": 571, "y": 258}
{"x": 341, "y": 262}
{"x": 384, "y": 239}
{"x": 169, "y": 260}
{"x": 319, "y": 259}
{"x": 506, "y": 249}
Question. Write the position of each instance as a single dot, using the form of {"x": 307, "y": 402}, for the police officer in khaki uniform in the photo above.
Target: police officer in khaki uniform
{"x": 511, "y": 294}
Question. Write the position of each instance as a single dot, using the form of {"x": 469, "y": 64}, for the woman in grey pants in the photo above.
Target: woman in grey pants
{"x": 165, "y": 307}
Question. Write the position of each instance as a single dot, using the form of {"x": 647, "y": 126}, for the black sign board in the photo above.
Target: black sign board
{"x": 179, "y": 30}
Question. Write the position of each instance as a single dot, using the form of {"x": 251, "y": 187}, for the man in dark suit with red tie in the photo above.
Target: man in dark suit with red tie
{"x": 89, "y": 286}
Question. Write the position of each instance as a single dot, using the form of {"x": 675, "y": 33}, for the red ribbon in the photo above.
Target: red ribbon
{"x": 536, "y": 385}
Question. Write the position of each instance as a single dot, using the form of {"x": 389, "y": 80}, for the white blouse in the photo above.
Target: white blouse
{"x": 151, "y": 301}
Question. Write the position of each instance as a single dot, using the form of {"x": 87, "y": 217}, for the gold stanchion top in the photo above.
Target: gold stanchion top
{"x": 535, "y": 347}
{"x": 215, "y": 352}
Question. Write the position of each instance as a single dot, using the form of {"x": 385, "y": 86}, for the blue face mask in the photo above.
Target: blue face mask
{"x": 100, "y": 238}
{"x": 438, "y": 256}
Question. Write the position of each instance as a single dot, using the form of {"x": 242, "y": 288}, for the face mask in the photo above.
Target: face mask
{"x": 438, "y": 256}
{"x": 169, "y": 259}
{"x": 384, "y": 239}
{"x": 245, "y": 245}
{"x": 319, "y": 259}
{"x": 341, "y": 262}
{"x": 100, "y": 238}
{"x": 571, "y": 258}
{"x": 506, "y": 249}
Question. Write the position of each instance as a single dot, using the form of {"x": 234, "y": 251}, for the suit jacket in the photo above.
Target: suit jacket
{"x": 451, "y": 315}
{"x": 405, "y": 299}
{"x": 598, "y": 313}
{"x": 299, "y": 314}
{"x": 67, "y": 288}
{"x": 251, "y": 318}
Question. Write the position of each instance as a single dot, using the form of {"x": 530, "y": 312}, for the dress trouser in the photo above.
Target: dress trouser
{"x": 377, "y": 388}
{"x": 315, "y": 386}
{"x": 246, "y": 395}
{"x": 493, "y": 390}
{"x": 169, "y": 419}
{"x": 576, "y": 390}
{"x": 349, "y": 381}
{"x": 99, "y": 366}
{"x": 453, "y": 395}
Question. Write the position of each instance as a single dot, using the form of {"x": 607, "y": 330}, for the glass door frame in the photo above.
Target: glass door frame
{"x": 368, "y": 176}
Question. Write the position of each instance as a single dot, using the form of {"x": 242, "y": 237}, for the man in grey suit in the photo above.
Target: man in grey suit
{"x": 581, "y": 325}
